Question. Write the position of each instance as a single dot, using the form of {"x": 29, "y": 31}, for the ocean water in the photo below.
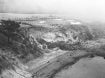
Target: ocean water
{"x": 85, "y": 68}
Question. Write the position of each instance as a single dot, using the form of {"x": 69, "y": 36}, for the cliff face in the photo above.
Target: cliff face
{"x": 63, "y": 37}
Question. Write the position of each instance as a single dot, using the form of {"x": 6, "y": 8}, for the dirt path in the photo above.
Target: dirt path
{"x": 41, "y": 62}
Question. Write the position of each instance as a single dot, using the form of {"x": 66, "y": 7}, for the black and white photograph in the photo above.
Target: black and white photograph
{"x": 52, "y": 38}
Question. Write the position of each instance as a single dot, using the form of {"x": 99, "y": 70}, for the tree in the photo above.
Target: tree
{"x": 9, "y": 28}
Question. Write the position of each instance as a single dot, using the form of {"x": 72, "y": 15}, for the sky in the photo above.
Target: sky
{"x": 84, "y": 9}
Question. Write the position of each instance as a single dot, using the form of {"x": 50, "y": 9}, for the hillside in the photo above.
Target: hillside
{"x": 37, "y": 43}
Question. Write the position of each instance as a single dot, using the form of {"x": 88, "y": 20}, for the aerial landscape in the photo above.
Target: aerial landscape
{"x": 49, "y": 44}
